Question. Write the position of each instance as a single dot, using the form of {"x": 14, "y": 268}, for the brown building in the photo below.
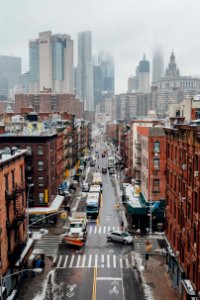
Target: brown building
{"x": 13, "y": 236}
{"x": 183, "y": 206}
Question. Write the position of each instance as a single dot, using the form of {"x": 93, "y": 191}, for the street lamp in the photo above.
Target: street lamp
{"x": 35, "y": 270}
{"x": 27, "y": 207}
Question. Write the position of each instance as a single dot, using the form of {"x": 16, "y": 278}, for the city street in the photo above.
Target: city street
{"x": 101, "y": 270}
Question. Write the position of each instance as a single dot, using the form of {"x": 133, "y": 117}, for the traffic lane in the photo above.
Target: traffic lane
{"x": 109, "y": 284}
{"x": 132, "y": 283}
{"x": 76, "y": 283}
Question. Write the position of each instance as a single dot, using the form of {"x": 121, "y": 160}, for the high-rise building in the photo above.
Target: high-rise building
{"x": 10, "y": 72}
{"x": 106, "y": 63}
{"x": 84, "y": 88}
{"x": 51, "y": 63}
{"x": 97, "y": 84}
{"x": 144, "y": 76}
{"x": 158, "y": 64}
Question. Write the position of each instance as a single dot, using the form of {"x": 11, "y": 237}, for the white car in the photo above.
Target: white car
{"x": 85, "y": 187}
{"x": 120, "y": 236}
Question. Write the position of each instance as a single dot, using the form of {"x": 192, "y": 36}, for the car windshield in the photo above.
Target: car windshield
{"x": 125, "y": 234}
{"x": 76, "y": 225}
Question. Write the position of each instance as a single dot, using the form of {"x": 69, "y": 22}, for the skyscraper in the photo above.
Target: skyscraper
{"x": 158, "y": 64}
{"x": 84, "y": 88}
{"x": 10, "y": 72}
{"x": 144, "y": 75}
{"x": 106, "y": 63}
{"x": 51, "y": 63}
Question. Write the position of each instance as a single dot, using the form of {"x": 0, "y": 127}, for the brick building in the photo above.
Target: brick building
{"x": 13, "y": 237}
{"x": 183, "y": 205}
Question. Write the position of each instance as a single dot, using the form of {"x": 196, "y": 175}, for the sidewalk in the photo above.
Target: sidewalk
{"x": 156, "y": 277}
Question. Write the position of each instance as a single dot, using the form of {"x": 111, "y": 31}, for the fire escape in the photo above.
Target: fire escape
{"x": 13, "y": 224}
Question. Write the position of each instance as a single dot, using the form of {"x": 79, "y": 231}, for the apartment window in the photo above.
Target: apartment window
{"x": 6, "y": 182}
{"x": 156, "y": 185}
{"x": 41, "y": 197}
{"x": 156, "y": 163}
{"x": 195, "y": 202}
{"x": 188, "y": 210}
{"x": 196, "y": 163}
{"x": 40, "y": 150}
{"x": 29, "y": 150}
{"x": 195, "y": 233}
{"x": 40, "y": 165}
{"x": 188, "y": 243}
{"x": 167, "y": 150}
{"x": 13, "y": 178}
{"x": 174, "y": 210}
{"x": 156, "y": 146}
{"x": 40, "y": 181}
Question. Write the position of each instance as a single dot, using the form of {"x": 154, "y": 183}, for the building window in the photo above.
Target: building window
{"x": 195, "y": 202}
{"x": 40, "y": 150}
{"x": 41, "y": 181}
{"x": 156, "y": 163}
{"x": 40, "y": 165}
{"x": 13, "y": 178}
{"x": 156, "y": 146}
{"x": 195, "y": 233}
{"x": 41, "y": 197}
{"x": 196, "y": 163}
{"x": 6, "y": 182}
{"x": 29, "y": 150}
{"x": 156, "y": 185}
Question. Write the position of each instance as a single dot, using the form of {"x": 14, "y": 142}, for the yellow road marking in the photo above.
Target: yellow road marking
{"x": 94, "y": 290}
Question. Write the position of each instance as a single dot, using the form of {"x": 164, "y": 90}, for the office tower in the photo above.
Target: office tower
{"x": 97, "y": 84}
{"x": 84, "y": 88}
{"x": 51, "y": 63}
{"x": 10, "y": 72}
{"x": 158, "y": 64}
{"x": 106, "y": 63}
{"x": 144, "y": 76}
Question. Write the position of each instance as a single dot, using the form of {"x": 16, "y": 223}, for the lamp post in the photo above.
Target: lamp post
{"x": 27, "y": 207}
{"x": 35, "y": 270}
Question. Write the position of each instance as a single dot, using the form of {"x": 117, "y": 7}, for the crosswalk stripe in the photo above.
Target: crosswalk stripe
{"x": 95, "y": 230}
{"x": 127, "y": 262}
{"x": 108, "y": 228}
{"x": 114, "y": 261}
{"x": 59, "y": 262}
{"x": 65, "y": 263}
{"x": 90, "y": 259}
{"x": 71, "y": 262}
{"x": 83, "y": 261}
{"x": 113, "y": 228}
{"x": 96, "y": 258}
{"x": 99, "y": 229}
{"x": 78, "y": 261}
{"x": 104, "y": 229}
{"x": 133, "y": 261}
{"x": 90, "y": 230}
{"x": 55, "y": 258}
{"x": 121, "y": 263}
{"x": 102, "y": 260}
{"x": 108, "y": 260}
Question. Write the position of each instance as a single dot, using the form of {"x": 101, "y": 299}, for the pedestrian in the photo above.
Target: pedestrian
{"x": 33, "y": 266}
{"x": 122, "y": 225}
{"x": 42, "y": 263}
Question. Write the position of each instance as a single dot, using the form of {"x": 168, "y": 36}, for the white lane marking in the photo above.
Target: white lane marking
{"x": 90, "y": 259}
{"x": 59, "y": 262}
{"x": 96, "y": 259}
{"x": 104, "y": 229}
{"x": 95, "y": 230}
{"x": 78, "y": 260}
{"x": 102, "y": 260}
{"x": 71, "y": 261}
{"x": 65, "y": 263}
{"x": 99, "y": 229}
{"x": 133, "y": 261}
{"x": 108, "y": 228}
{"x": 127, "y": 262}
{"x": 109, "y": 278}
{"x": 114, "y": 261}
{"x": 83, "y": 261}
{"x": 121, "y": 263}
{"x": 113, "y": 228}
{"x": 54, "y": 260}
{"x": 90, "y": 230}
{"x": 108, "y": 260}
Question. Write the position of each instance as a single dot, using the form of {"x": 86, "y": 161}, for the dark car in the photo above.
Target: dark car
{"x": 112, "y": 171}
{"x": 104, "y": 170}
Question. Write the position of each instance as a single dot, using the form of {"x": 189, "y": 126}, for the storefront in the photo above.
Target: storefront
{"x": 46, "y": 216}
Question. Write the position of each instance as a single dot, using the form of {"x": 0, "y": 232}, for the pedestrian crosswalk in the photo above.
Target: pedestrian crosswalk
{"x": 94, "y": 260}
{"x": 140, "y": 245}
{"x": 101, "y": 229}
{"x": 49, "y": 244}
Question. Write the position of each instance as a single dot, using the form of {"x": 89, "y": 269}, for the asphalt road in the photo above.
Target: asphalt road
{"x": 102, "y": 270}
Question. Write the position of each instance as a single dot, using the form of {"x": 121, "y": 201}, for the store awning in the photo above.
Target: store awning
{"x": 53, "y": 208}
{"x": 136, "y": 210}
{"x": 25, "y": 253}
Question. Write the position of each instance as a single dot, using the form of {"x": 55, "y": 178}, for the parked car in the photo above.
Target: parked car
{"x": 104, "y": 170}
{"x": 85, "y": 187}
{"x": 120, "y": 236}
{"x": 112, "y": 171}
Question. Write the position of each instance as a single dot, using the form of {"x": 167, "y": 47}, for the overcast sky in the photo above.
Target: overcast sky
{"x": 125, "y": 28}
